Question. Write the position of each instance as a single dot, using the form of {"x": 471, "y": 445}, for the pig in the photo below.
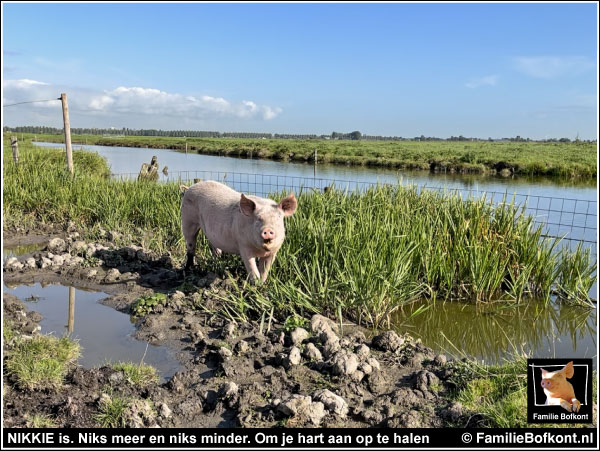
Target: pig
{"x": 249, "y": 226}
{"x": 559, "y": 392}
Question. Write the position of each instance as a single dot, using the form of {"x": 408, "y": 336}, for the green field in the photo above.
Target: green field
{"x": 360, "y": 255}
{"x": 564, "y": 160}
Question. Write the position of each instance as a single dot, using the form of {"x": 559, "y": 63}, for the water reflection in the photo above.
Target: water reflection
{"x": 23, "y": 249}
{"x": 494, "y": 332}
{"x": 104, "y": 334}
{"x": 71, "y": 316}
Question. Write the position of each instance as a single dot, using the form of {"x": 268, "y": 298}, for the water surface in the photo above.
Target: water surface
{"x": 494, "y": 333}
{"x": 105, "y": 335}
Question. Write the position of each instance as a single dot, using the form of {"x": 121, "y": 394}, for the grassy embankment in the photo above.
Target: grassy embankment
{"x": 357, "y": 255}
{"x": 574, "y": 160}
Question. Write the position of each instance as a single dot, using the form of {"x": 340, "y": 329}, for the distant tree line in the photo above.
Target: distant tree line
{"x": 354, "y": 136}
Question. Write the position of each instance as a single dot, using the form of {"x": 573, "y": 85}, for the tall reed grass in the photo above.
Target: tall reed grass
{"x": 355, "y": 254}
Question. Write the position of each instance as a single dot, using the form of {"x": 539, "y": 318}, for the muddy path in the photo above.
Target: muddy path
{"x": 232, "y": 374}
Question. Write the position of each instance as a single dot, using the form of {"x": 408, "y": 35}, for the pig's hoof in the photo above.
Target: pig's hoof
{"x": 565, "y": 405}
{"x": 576, "y": 405}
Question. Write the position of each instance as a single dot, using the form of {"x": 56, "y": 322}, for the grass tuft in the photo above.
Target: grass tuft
{"x": 138, "y": 374}
{"x": 112, "y": 412}
{"x": 42, "y": 361}
{"x": 40, "y": 421}
{"x": 8, "y": 332}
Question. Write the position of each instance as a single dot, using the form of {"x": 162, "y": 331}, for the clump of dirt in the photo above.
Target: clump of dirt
{"x": 234, "y": 374}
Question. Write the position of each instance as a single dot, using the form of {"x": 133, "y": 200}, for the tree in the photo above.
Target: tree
{"x": 355, "y": 135}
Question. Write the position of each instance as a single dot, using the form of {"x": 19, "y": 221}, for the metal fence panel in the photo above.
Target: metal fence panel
{"x": 570, "y": 219}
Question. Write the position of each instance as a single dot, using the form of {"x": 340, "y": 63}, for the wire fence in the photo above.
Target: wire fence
{"x": 567, "y": 218}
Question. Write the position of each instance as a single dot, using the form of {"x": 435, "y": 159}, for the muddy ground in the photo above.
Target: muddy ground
{"x": 233, "y": 374}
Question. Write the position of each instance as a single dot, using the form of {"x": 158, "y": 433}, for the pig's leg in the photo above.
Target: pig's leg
{"x": 576, "y": 404}
{"x": 190, "y": 233}
{"x": 565, "y": 405}
{"x": 250, "y": 263}
{"x": 264, "y": 265}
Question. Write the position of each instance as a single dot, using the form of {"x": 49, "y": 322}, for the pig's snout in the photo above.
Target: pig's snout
{"x": 546, "y": 384}
{"x": 268, "y": 234}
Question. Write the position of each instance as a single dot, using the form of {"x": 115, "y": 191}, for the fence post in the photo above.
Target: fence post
{"x": 65, "y": 108}
{"x": 315, "y": 165}
{"x": 15, "y": 149}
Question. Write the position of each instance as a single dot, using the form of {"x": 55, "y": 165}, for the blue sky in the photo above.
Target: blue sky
{"x": 482, "y": 70}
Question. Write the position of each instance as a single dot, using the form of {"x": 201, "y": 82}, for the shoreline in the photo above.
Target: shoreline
{"x": 447, "y": 157}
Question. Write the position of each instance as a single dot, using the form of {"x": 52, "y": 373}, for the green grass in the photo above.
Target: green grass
{"x": 112, "y": 412}
{"x": 361, "y": 255}
{"x": 368, "y": 254}
{"x": 41, "y": 362}
{"x": 576, "y": 159}
{"x": 496, "y": 392}
{"x": 40, "y": 421}
{"x": 137, "y": 374}
{"x": 118, "y": 411}
{"x": 8, "y": 332}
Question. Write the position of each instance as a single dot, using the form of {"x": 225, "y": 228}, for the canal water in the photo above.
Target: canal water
{"x": 490, "y": 333}
{"x": 127, "y": 160}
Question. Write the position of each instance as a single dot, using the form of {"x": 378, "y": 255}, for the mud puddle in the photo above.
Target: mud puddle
{"x": 104, "y": 334}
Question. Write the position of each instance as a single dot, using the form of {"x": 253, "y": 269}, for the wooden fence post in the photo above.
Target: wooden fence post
{"x": 65, "y": 108}
{"x": 15, "y": 149}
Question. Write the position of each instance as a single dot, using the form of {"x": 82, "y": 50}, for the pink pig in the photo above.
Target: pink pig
{"x": 249, "y": 226}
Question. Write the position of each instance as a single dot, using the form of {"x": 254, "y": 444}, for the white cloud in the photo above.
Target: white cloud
{"x": 138, "y": 101}
{"x": 23, "y": 83}
{"x": 488, "y": 80}
{"x": 553, "y": 66}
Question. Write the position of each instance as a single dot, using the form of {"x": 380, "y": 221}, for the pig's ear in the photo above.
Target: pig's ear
{"x": 288, "y": 205}
{"x": 247, "y": 206}
{"x": 569, "y": 370}
{"x": 544, "y": 372}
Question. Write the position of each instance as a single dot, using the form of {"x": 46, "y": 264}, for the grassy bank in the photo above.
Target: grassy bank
{"x": 496, "y": 395}
{"x": 360, "y": 255}
{"x": 573, "y": 160}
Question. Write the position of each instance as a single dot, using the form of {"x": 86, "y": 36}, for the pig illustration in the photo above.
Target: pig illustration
{"x": 249, "y": 226}
{"x": 559, "y": 392}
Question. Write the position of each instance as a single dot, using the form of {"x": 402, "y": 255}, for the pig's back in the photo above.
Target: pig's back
{"x": 213, "y": 193}
{"x": 214, "y": 207}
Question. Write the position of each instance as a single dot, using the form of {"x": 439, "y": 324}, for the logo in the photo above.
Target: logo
{"x": 559, "y": 390}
